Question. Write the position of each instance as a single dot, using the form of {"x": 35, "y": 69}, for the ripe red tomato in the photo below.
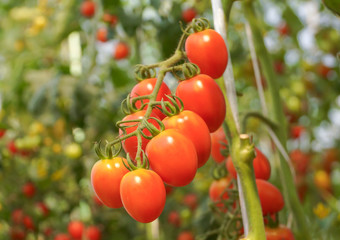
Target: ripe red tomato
{"x": 2, "y": 132}
{"x": 102, "y": 34}
{"x": 17, "y": 216}
{"x": 174, "y": 218}
{"x": 76, "y": 229}
{"x": 28, "y": 189}
{"x": 12, "y": 147}
{"x": 270, "y": 197}
{"x": 193, "y": 127}
{"x": 121, "y": 51}
{"x": 62, "y": 236}
{"x": 279, "y": 233}
{"x": 296, "y": 131}
{"x": 42, "y": 208}
{"x": 186, "y": 235}
{"x": 28, "y": 223}
{"x": 208, "y": 50}
{"x": 300, "y": 161}
{"x": 93, "y": 233}
{"x": 48, "y": 231}
{"x": 261, "y": 166}
{"x": 130, "y": 144}
{"x": 202, "y": 95}
{"x": 106, "y": 176}
{"x": 218, "y": 193}
{"x": 323, "y": 70}
{"x": 17, "y": 233}
{"x": 109, "y": 18}
{"x": 173, "y": 157}
{"x": 146, "y": 87}
{"x": 190, "y": 200}
{"x": 283, "y": 29}
{"x": 88, "y": 8}
{"x": 189, "y": 14}
{"x": 218, "y": 142}
{"x": 143, "y": 195}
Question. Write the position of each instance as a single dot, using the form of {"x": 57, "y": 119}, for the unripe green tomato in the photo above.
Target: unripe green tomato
{"x": 293, "y": 104}
{"x": 298, "y": 88}
{"x": 186, "y": 216}
{"x": 73, "y": 150}
{"x": 284, "y": 93}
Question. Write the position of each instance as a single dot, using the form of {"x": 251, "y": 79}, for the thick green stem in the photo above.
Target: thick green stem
{"x": 289, "y": 190}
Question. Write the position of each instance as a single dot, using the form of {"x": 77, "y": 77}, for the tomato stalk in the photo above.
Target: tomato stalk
{"x": 290, "y": 193}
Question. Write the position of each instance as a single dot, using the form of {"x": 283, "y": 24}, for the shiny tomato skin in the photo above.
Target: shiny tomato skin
{"x": 106, "y": 176}
{"x": 130, "y": 144}
{"x": 146, "y": 87}
{"x": 217, "y": 191}
{"x": 122, "y": 50}
{"x": 76, "y": 229}
{"x": 143, "y": 195}
{"x": 193, "y": 127}
{"x": 186, "y": 235}
{"x": 202, "y": 95}
{"x": 279, "y": 233}
{"x": 88, "y": 8}
{"x": 218, "y": 142}
{"x": 208, "y": 51}
{"x": 173, "y": 157}
{"x": 261, "y": 166}
{"x": 93, "y": 233}
{"x": 270, "y": 197}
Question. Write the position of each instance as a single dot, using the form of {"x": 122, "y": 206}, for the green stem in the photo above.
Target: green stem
{"x": 289, "y": 189}
{"x": 259, "y": 116}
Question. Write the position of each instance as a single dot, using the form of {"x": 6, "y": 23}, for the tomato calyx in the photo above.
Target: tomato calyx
{"x": 198, "y": 25}
{"x": 272, "y": 220}
{"x": 151, "y": 128}
{"x": 218, "y": 172}
{"x": 143, "y": 72}
{"x": 142, "y": 162}
{"x": 173, "y": 106}
{"x": 109, "y": 150}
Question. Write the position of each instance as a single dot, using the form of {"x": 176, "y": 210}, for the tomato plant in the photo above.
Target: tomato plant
{"x": 93, "y": 233}
{"x": 208, "y": 50}
{"x": 102, "y": 34}
{"x": 270, "y": 197}
{"x": 218, "y": 191}
{"x": 218, "y": 142}
{"x": 193, "y": 127}
{"x": 143, "y": 195}
{"x": 106, "y": 176}
{"x": 88, "y": 8}
{"x": 122, "y": 50}
{"x": 76, "y": 229}
{"x": 179, "y": 165}
{"x": 202, "y": 95}
{"x": 279, "y": 233}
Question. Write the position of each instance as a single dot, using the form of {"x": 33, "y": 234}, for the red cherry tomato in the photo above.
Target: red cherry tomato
{"x": 93, "y": 233}
{"x": 202, "y": 95}
{"x": 190, "y": 200}
{"x": 143, "y": 195}
{"x": 88, "y": 8}
{"x": 48, "y": 231}
{"x": 17, "y": 233}
{"x": 130, "y": 144}
{"x": 28, "y": 189}
{"x": 173, "y": 157}
{"x": 76, "y": 229}
{"x": 186, "y": 235}
{"x": 208, "y": 51}
{"x": 17, "y": 216}
{"x": 42, "y": 208}
{"x": 218, "y": 143}
{"x": 296, "y": 131}
{"x": 106, "y": 176}
{"x": 283, "y": 29}
{"x": 188, "y": 14}
{"x": 279, "y": 233}
{"x": 174, "y": 218}
{"x": 193, "y": 127}
{"x": 102, "y": 34}
{"x": 261, "y": 166}
{"x": 111, "y": 19}
{"x": 11, "y": 147}
{"x": 270, "y": 197}
{"x": 218, "y": 191}
{"x": 2, "y": 132}
{"x": 28, "y": 223}
{"x": 146, "y": 87}
{"x": 62, "y": 236}
{"x": 122, "y": 51}
{"x": 300, "y": 161}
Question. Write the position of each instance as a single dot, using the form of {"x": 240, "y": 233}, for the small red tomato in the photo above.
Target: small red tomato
{"x": 28, "y": 189}
{"x": 189, "y": 14}
{"x": 218, "y": 191}
{"x": 48, "y": 231}
{"x": 193, "y": 127}
{"x": 202, "y": 95}
{"x": 279, "y": 67}
{"x": 300, "y": 161}
{"x": 88, "y": 8}
{"x": 93, "y": 233}
{"x": 17, "y": 233}
{"x": 42, "y": 208}
{"x": 218, "y": 143}
{"x": 11, "y": 147}
{"x": 76, "y": 229}
{"x": 62, "y": 236}
{"x": 174, "y": 218}
{"x": 17, "y": 216}
{"x": 323, "y": 70}
{"x": 186, "y": 235}
{"x": 106, "y": 176}
{"x": 283, "y": 29}
{"x": 2, "y": 132}
{"x": 121, "y": 51}
{"x": 270, "y": 197}
{"x": 143, "y": 195}
{"x": 130, "y": 144}
{"x": 296, "y": 131}
{"x": 279, "y": 233}
{"x": 190, "y": 200}
{"x": 109, "y": 18}
{"x": 261, "y": 166}
{"x": 28, "y": 223}
{"x": 146, "y": 87}
{"x": 208, "y": 51}
{"x": 179, "y": 165}
{"x": 102, "y": 34}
